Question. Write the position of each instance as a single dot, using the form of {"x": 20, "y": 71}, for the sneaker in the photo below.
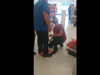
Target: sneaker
{"x": 61, "y": 45}
{"x": 41, "y": 53}
{"x": 54, "y": 52}
{"x": 47, "y": 55}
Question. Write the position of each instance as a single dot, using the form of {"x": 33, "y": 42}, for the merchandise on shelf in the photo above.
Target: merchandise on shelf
{"x": 72, "y": 44}
{"x": 75, "y": 17}
{"x": 72, "y": 13}
{"x": 52, "y": 10}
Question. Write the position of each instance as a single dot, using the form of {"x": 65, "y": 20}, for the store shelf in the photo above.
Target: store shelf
{"x": 74, "y": 27}
{"x": 75, "y": 16}
{"x": 75, "y": 20}
{"x": 74, "y": 39}
{"x": 72, "y": 52}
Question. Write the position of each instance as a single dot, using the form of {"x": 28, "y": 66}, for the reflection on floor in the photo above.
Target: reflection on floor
{"x": 59, "y": 64}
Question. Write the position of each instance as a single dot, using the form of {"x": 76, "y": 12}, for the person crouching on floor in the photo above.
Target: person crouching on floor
{"x": 58, "y": 37}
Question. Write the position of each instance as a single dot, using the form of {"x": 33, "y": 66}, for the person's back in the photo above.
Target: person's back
{"x": 39, "y": 22}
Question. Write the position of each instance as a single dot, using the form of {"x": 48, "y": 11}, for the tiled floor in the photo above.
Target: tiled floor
{"x": 59, "y": 64}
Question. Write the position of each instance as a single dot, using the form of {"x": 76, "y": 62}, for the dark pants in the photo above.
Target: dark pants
{"x": 56, "y": 41}
{"x": 42, "y": 41}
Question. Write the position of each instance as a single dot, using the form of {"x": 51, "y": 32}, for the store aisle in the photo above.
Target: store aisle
{"x": 59, "y": 64}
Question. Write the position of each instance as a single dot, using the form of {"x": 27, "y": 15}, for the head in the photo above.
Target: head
{"x": 55, "y": 20}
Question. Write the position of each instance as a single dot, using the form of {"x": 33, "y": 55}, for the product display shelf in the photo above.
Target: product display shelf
{"x": 73, "y": 38}
{"x": 74, "y": 27}
{"x": 75, "y": 18}
{"x": 72, "y": 51}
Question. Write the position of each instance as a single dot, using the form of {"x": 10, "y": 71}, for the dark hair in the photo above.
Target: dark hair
{"x": 55, "y": 17}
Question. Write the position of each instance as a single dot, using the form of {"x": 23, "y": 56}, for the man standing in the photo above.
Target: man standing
{"x": 42, "y": 25}
{"x": 69, "y": 12}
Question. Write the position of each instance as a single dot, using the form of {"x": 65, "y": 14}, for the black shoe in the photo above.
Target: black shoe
{"x": 47, "y": 55}
{"x": 54, "y": 52}
{"x": 34, "y": 53}
{"x": 40, "y": 51}
{"x": 50, "y": 46}
{"x": 61, "y": 45}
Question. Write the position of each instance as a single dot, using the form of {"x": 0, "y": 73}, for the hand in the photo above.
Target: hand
{"x": 50, "y": 35}
{"x": 50, "y": 40}
{"x": 49, "y": 29}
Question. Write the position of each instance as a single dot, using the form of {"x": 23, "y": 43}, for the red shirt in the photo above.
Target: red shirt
{"x": 57, "y": 29}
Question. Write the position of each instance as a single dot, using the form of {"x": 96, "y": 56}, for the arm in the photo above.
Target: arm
{"x": 46, "y": 18}
{"x": 45, "y": 11}
{"x": 60, "y": 34}
{"x": 50, "y": 39}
